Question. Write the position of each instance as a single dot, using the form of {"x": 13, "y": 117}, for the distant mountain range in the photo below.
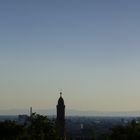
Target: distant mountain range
{"x": 102, "y": 113}
{"x": 71, "y": 112}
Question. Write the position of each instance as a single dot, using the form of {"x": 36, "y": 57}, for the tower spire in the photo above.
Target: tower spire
{"x": 60, "y": 94}
{"x": 60, "y": 121}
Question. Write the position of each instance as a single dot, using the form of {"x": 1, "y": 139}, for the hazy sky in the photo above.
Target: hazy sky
{"x": 89, "y": 48}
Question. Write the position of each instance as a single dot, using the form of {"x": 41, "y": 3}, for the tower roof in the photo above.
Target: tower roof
{"x": 60, "y": 100}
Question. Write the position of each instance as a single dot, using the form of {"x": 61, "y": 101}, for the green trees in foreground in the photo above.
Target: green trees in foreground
{"x": 9, "y": 130}
{"x": 131, "y": 131}
{"x": 41, "y": 128}
{"x": 38, "y": 128}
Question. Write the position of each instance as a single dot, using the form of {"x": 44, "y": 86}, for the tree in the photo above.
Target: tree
{"x": 41, "y": 128}
{"x": 9, "y": 130}
{"x": 37, "y": 128}
{"x": 129, "y": 132}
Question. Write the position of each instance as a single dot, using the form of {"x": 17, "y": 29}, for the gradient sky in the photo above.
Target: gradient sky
{"x": 89, "y": 48}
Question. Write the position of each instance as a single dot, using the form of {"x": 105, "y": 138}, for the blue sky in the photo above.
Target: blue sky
{"x": 88, "y": 48}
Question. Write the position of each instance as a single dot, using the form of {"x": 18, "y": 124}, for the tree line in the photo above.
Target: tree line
{"x": 37, "y": 128}
{"x": 41, "y": 128}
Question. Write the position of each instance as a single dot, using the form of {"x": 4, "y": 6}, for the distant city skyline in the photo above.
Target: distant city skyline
{"x": 90, "y": 49}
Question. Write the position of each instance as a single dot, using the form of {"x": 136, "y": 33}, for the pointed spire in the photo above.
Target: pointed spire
{"x": 60, "y": 94}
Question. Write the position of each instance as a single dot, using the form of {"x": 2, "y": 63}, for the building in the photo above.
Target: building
{"x": 60, "y": 121}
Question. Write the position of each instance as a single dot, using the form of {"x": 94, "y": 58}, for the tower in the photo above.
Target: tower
{"x": 60, "y": 122}
{"x": 31, "y": 112}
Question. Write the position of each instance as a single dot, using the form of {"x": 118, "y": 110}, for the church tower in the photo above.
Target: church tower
{"x": 60, "y": 122}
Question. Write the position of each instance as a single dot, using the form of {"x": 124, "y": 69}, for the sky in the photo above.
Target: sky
{"x": 88, "y": 48}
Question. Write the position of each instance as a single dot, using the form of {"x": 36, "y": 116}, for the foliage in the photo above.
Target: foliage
{"x": 41, "y": 128}
{"x": 9, "y": 130}
{"x": 38, "y": 128}
{"x": 129, "y": 132}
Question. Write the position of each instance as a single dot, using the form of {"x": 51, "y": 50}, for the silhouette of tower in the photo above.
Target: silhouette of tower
{"x": 60, "y": 122}
{"x": 31, "y": 112}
